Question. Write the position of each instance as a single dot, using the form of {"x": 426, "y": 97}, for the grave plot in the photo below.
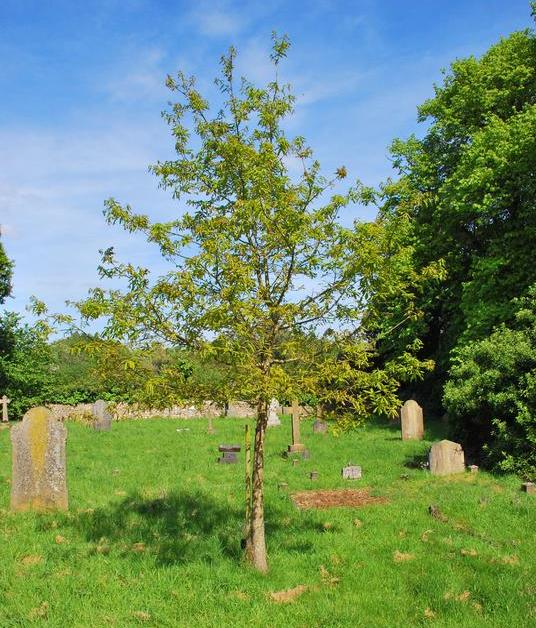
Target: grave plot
{"x": 336, "y": 498}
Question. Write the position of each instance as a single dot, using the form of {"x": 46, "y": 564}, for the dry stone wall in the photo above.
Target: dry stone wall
{"x": 120, "y": 411}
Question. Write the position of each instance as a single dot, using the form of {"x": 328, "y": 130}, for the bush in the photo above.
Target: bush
{"x": 491, "y": 393}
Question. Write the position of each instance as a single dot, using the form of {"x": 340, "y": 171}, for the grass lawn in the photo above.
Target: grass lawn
{"x": 153, "y": 537}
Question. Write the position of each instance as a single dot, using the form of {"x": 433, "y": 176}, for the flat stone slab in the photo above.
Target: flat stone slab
{"x": 235, "y": 448}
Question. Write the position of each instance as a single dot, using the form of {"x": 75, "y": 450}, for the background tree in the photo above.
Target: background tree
{"x": 6, "y": 271}
{"x": 465, "y": 199}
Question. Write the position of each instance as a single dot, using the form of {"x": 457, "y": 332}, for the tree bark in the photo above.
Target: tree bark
{"x": 256, "y": 548}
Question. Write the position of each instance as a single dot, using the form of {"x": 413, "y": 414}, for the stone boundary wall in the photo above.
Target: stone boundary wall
{"x": 121, "y": 411}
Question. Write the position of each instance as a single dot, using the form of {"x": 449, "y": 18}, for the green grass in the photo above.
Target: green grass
{"x": 153, "y": 537}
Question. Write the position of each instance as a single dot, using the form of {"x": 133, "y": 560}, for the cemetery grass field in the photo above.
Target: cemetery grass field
{"x": 153, "y": 537}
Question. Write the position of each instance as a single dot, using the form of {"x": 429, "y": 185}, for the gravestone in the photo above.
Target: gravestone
{"x": 103, "y": 419}
{"x": 39, "y": 479}
{"x": 529, "y": 487}
{"x": 320, "y": 427}
{"x": 228, "y": 454}
{"x": 446, "y": 457}
{"x": 411, "y": 421}
{"x": 313, "y": 475}
{"x": 296, "y": 444}
{"x": 351, "y": 472}
{"x": 473, "y": 468}
{"x": 273, "y": 413}
{"x": 5, "y": 401}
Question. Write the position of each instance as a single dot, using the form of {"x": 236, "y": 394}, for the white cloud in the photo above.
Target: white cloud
{"x": 218, "y": 19}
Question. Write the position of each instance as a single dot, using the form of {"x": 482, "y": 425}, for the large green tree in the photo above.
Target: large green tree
{"x": 6, "y": 270}
{"x": 465, "y": 199}
{"x": 258, "y": 260}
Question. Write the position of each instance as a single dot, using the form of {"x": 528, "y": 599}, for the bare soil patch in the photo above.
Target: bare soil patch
{"x": 353, "y": 498}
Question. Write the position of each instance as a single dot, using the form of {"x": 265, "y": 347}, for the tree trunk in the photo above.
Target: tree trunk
{"x": 256, "y": 548}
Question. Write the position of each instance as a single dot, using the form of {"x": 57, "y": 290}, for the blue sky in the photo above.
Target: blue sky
{"x": 81, "y": 88}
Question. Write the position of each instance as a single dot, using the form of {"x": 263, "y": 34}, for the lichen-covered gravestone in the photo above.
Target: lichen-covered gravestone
{"x": 411, "y": 421}
{"x": 320, "y": 427}
{"x": 102, "y": 417}
{"x": 39, "y": 468}
{"x": 446, "y": 458}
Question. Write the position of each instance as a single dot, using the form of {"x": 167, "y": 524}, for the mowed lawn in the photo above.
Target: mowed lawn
{"x": 153, "y": 537}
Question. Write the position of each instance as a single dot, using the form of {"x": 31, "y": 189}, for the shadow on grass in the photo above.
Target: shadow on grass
{"x": 179, "y": 527}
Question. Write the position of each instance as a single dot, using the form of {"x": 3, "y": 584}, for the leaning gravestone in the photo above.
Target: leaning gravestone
{"x": 446, "y": 458}
{"x": 39, "y": 476}
{"x": 411, "y": 421}
{"x": 102, "y": 418}
{"x": 273, "y": 416}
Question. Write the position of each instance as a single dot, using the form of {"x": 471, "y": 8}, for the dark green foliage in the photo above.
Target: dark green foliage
{"x": 24, "y": 364}
{"x": 464, "y": 205}
{"x": 6, "y": 268}
{"x": 491, "y": 393}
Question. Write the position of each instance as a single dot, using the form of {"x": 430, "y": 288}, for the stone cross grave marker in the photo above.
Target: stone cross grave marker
{"x": 5, "y": 401}
{"x": 411, "y": 421}
{"x": 39, "y": 479}
{"x": 103, "y": 418}
{"x": 296, "y": 439}
{"x": 351, "y": 472}
{"x": 446, "y": 457}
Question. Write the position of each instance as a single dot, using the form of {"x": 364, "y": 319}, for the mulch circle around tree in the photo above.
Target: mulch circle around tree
{"x": 336, "y": 498}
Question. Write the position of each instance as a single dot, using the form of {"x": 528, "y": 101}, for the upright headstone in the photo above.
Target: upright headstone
{"x": 103, "y": 418}
{"x": 320, "y": 427}
{"x": 446, "y": 457}
{"x": 273, "y": 413}
{"x": 39, "y": 479}
{"x": 296, "y": 439}
{"x": 351, "y": 472}
{"x": 411, "y": 421}
{"x": 5, "y": 402}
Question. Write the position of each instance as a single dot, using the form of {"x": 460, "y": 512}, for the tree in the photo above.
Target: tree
{"x": 6, "y": 270}
{"x": 255, "y": 261}
{"x": 491, "y": 392}
{"x": 466, "y": 195}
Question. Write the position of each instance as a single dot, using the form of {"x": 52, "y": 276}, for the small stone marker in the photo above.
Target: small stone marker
{"x": 529, "y": 488}
{"x": 296, "y": 444}
{"x": 446, "y": 458}
{"x": 282, "y": 486}
{"x": 473, "y": 468}
{"x": 5, "y": 401}
{"x": 39, "y": 467}
{"x": 273, "y": 414}
{"x": 313, "y": 475}
{"x": 351, "y": 472}
{"x": 411, "y": 421}
{"x": 103, "y": 419}
{"x": 229, "y": 454}
{"x": 320, "y": 427}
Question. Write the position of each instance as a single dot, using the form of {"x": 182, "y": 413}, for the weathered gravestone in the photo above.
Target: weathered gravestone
{"x": 351, "y": 472}
{"x": 446, "y": 457}
{"x": 5, "y": 401}
{"x": 39, "y": 476}
{"x": 411, "y": 421}
{"x": 273, "y": 413}
{"x": 229, "y": 454}
{"x": 102, "y": 417}
{"x": 320, "y": 427}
